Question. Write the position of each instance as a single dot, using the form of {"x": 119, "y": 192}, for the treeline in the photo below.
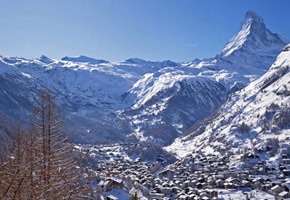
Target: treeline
{"x": 41, "y": 165}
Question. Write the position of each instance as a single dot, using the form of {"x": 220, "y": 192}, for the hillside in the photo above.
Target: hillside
{"x": 253, "y": 121}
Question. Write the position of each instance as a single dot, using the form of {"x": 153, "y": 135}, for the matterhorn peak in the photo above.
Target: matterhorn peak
{"x": 254, "y": 45}
{"x": 45, "y": 59}
{"x": 254, "y": 23}
{"x": 253, "y": 16}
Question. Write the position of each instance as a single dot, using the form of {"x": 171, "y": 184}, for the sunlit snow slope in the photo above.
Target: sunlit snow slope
{"x": 255, "y": 120}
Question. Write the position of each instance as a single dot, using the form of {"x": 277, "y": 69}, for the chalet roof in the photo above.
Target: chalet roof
{"x": 230, "y": 179}
{"x": 101, "y": 183}
{"x": 183, "y": 196}
{"x": 275, "y": 187}
{"x": 115, "y": 180}
{"x": 283, "y": 194}
{"x": 287, "y": 185}
{"x": 112, "y": 197}
{"x": 256, "y": 179}
{"x": 192, "y": 195}
{"x": 106, "y": 182}
{"x": 245, "y": 182}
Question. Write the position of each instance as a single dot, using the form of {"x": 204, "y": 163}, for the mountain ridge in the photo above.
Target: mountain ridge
{"x": 136, "y": 99}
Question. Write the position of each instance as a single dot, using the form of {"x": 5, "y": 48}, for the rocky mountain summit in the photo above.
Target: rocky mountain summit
{"x": 254, "y": 44}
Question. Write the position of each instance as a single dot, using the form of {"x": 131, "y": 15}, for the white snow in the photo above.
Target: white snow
{"x": 238, "y": 40}
{"x": 247, "y": 106}
{"x": 238, "y": 194}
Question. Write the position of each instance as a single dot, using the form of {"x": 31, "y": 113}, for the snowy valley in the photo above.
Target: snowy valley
{"x": 201, "y": 129}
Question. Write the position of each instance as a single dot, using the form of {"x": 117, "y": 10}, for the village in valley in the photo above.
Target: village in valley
{"x": 145, "y": 100}
{"x": 119, "y": 176}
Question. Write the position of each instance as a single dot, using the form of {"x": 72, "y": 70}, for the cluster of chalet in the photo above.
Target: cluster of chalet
{"x": 132, "y": 177}
{"x": 201, "y": 177}
{"x": 194, "y": 177}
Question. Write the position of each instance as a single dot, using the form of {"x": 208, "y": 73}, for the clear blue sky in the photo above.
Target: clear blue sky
{"x": 179, "y": 30}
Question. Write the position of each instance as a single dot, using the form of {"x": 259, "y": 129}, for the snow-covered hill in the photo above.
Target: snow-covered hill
{"x": 137, "y": 99}
{"x": 253, "y": 121}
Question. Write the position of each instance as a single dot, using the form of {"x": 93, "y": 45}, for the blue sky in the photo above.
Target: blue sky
{"x": 115, "y": 30}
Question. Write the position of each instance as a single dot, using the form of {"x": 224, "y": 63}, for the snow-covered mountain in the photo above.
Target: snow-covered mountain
{"x": 137, "y": 99}
{"x": 254, "y": 44}
{"x": 167, "y": 104}
{"x": 248, "y": 55}
{"x": 255, "y": 120}
{"x": 169, "y": 101}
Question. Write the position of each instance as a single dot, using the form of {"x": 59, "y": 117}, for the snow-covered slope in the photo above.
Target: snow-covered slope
{"x": 166, "y": 104}
{"x": 156, "y": 101}
{"x": 255, "y": 120}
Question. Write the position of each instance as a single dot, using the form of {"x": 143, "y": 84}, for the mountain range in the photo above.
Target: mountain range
{"x": 139, "y": 100}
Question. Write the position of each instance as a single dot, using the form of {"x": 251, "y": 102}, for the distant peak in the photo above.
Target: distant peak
{"x": 83, "y": 59}
{"x": 253, "y": 16}
{"x": 45, "y": 59}
{"x": 169, "y": 63}
{"x": 135, "y": 61}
